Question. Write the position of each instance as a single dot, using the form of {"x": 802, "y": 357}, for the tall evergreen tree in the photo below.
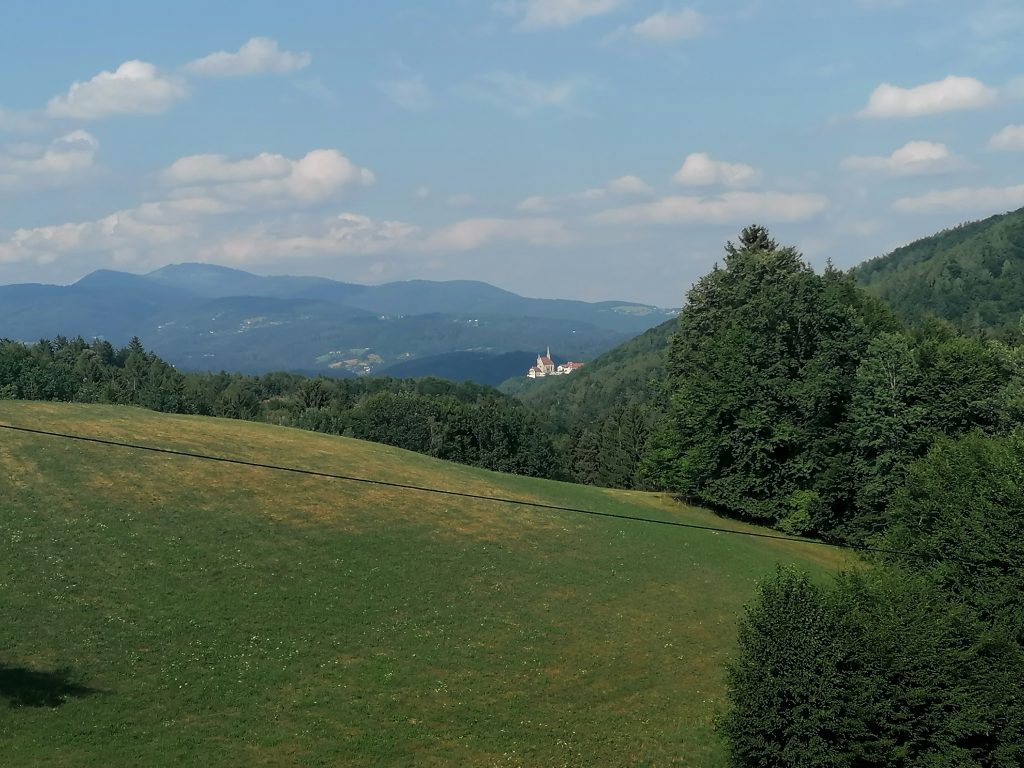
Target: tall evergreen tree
{"x": 761, "y": 368}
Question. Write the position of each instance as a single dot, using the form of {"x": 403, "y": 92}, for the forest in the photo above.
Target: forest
{"x": 464, "y": 422}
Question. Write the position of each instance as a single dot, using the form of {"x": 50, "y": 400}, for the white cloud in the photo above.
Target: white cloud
{"x": 471, "y": 234}
{"x": 912, "y": 159}
{"x": 535, "y": 204}
{"x": 621, "y": 187}
{"x": 258, "y": 56}
{"x": 523, "y": 96}
{"x": 63, "y": 160}
{"x": 950, "y": 94}
{"x": 135, "y": 87}
{"x": 668, "y": 26}
{"x": 422, "y": 193}
{"x": 347, "y": 234}
{"x": 19, "y": 121}
{"x": 629, "y": 185}
{"x": 124, "y": 234}
{"x": 991, "y": 199}
{"x": 728, "y": 208}
{"x": 699, "y": 170}
{"x": 536, "y": 14}
{"x": 1010, "y": 138}
{"x": 270, "y": 178}
{"x": 407, "y": 92}
{"x": 204, "y": 186}
{"x": 195, "y": 169}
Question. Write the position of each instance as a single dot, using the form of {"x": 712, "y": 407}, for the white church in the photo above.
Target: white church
{"x": 546, "y": 367}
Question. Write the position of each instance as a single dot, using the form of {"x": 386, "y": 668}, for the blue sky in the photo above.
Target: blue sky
{"x": 575, "y": 148}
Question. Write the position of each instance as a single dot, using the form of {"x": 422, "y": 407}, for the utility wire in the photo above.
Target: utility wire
{"x": 501, "y": 499}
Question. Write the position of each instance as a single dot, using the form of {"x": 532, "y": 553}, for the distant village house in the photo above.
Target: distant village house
{"x": 546, "y": 367}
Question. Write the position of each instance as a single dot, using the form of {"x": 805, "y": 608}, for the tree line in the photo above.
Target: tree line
{"x": 797, "y": 400}
{"x": 457, "y": 421}
{"x": 912, "y": 662}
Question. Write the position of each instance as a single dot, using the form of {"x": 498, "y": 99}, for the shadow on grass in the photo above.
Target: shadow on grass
{"x": 23, "y": 687}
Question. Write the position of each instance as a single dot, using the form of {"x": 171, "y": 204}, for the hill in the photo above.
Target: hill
{"x": 631, "y": 373}
{"x": 162, "y": 610}
{"x": 971, "y": 275}
{"x": 206, "y": 317}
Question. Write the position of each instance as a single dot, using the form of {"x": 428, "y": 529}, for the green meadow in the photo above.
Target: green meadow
{"x": 161, "y": 610}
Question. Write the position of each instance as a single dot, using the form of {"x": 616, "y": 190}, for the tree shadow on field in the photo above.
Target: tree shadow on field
{"x": 23, "y": 687}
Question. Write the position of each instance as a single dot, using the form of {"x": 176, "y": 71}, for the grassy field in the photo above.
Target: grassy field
{"x": 159, "y": 610}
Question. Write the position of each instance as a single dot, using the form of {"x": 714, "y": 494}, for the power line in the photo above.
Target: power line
{"x": 496, "y": 499}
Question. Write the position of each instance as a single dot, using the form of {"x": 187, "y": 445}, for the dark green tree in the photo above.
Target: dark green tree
{"x": 761, "y": 369}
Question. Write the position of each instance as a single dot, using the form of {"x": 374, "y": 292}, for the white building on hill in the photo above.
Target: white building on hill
{"x": 546, "y": 367}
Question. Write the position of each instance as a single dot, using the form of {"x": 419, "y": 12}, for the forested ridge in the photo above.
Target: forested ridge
{"x": 602, "y": 417}
{"x": 971, "y": 275}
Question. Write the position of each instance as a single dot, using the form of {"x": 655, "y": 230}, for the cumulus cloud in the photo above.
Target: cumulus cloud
{"x": 728, "y": 208}
{"x": 267, "y": 177}
{"x": 523, "y": 96}
{"x": 950, "y": 94}
{"x": 471, "y": 234}
{"x": 260, "y": 55}
{"x": 135, "y": 87}
{"x": 536, "y": 14}
{"x": 669, "y": 26}
{"x": 990, "y": 199}
{"x": 623, "y": 186}
{"x": 629, "y": 185}
{"x": 347, "y": 234}
{"x": 536, "y": 204}
{"x": 17, "y": 121}
{"x": 912, "y": 159}
{"x": 196, "y": 169}
{"x": 63, "y": 160}
{"x": 124, "y": 234}
{"x": 700, "y": 170}
{"x": 1010, "y": 138}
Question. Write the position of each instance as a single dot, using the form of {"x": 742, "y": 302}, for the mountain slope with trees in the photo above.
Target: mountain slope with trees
{"x": 604, "y": 416}
{"x": 971, "y": 275}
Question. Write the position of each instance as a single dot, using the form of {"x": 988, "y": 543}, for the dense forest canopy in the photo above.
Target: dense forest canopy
{"x": 914, "y": 663}
{"x": 971, "y": 275}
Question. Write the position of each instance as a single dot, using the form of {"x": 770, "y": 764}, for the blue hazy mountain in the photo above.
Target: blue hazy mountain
{"x": 207, "y": 317}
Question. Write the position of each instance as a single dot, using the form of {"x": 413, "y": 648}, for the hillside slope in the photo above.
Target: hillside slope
{"x": 162, "y": 610}
{"x": 971, "y": 275}
{"x": 631, "y": 373}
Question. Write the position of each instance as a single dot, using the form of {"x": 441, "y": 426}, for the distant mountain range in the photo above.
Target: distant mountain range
{"x": 207, "y": 317}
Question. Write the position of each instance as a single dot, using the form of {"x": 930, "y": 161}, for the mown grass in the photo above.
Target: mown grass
{"x": 189, "y": 612}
